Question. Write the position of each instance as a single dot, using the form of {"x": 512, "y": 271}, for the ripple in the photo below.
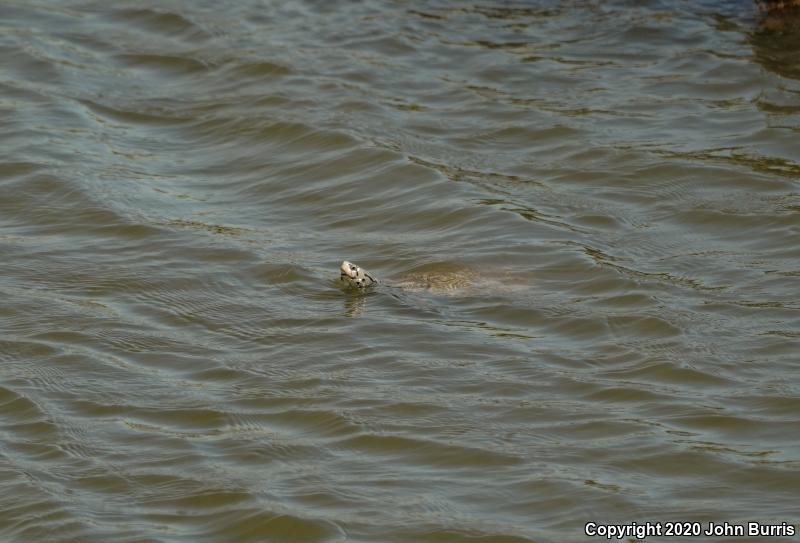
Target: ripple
{"x": 164, "y": 23}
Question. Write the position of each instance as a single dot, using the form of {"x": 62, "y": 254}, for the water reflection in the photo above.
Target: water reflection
{"x": 354, "y": 303}
{"x": 776, "y": 43}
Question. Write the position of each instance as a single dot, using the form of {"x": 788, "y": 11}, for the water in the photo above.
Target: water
{"x": 586, "y": 221}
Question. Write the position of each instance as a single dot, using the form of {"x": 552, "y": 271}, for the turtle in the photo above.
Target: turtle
{"x": 440, "y": 278}
{"x": 436, "y": 281}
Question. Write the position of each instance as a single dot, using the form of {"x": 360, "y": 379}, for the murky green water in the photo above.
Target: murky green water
{"x": 585, "y": 217}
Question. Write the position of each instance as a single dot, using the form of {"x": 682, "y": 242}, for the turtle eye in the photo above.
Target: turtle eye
{"x": 353, "y": 268}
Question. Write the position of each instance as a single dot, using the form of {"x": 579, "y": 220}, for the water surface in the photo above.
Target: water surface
{"x": 616, "y": 183}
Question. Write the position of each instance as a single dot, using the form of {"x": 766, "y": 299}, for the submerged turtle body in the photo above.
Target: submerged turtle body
{"x": 445, "y": 280}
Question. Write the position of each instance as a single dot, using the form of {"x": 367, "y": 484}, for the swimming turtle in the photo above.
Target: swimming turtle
{"x": 439, "y": 278}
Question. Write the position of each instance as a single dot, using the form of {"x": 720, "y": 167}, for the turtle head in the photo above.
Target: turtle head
{"x": 354, "y": 276}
